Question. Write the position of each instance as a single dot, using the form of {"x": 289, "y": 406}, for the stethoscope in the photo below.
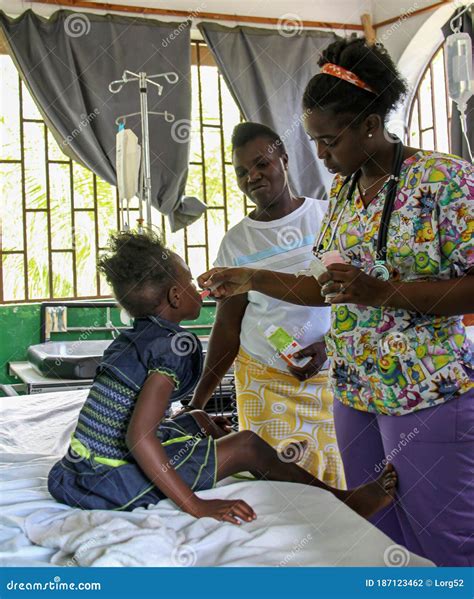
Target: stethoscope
{"x": 379, "y": 269}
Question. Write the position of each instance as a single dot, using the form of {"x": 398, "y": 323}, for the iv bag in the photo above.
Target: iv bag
{"x": 459, "y": 67}
{"x": 127, "y": 163}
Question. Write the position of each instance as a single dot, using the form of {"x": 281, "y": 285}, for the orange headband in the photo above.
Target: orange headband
{"x": 336, "y": 71}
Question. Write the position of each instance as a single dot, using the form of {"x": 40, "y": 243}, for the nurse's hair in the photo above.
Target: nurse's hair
{"x": 373, "y": 65}
{"x": 140, "y": 270}
{"x": 245, "y": 132}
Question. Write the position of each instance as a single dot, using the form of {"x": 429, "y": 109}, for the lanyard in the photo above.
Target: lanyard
{"x": 380, "y": 269}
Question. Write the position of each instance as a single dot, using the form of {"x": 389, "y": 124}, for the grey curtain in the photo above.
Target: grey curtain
{"x": 267, "y": 71}
{"x": 68, "y": 61}
{"x": 458, "y": 141}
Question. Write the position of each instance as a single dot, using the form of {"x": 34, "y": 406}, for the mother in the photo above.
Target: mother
{"x": 284, "y": 405}
{"x": 400, "y": 360}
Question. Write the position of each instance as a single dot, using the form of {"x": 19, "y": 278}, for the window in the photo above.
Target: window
{"x": 211, "y": 175}
{"x": 57, "y": 215}
{"x": 430, "y": 113}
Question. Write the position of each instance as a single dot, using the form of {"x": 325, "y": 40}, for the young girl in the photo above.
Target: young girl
{"x": 124, "y": 453}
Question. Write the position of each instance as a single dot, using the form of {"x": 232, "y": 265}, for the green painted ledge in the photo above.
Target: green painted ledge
{"x": 20, "y": 328}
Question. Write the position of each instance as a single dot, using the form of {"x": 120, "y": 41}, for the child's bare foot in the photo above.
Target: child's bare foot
{"x": 372, "y": 497}
{"x": 293, "y": 452}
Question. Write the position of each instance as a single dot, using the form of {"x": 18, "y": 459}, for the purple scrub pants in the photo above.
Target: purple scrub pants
{"x": 433, "y": 453}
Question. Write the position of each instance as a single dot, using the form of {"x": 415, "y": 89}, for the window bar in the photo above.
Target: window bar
{"x": 73, "y": 230}
{"x": 23, "y": 190}
{"x": 418, "y": 107}
{"x": 224, "y": 181}
{"x": 201, "y": 133}
{"x": 433, "y": 104}
{"x": 448, "y": 99}
{"x": 186, "y": 254}
{"x": 117, "y": 208}
{"x": 1, "y": 259}
{"x": 48, "y": 211}
{"x": 96, "y": 234}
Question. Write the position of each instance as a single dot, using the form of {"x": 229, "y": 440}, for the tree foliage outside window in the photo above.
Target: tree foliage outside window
{"x": 56, "y": 215}
{"x": 430, "y": 112}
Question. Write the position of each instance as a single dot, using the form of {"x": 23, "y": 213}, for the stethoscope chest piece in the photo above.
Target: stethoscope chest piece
{"x": 380, "y": 271}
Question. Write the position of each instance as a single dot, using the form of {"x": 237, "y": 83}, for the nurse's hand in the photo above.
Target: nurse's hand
{"x": 346, "y": 284}
{"x": 317, "y": 352}
{"x": 225, "y": 282}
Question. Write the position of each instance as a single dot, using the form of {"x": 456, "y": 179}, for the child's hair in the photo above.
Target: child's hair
{"x": 372, "y": 64}
{"x": 140, "y": 270}
{"x": 245, "y": 132}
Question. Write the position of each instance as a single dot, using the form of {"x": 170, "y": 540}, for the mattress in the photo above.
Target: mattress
{"x": 296, "y": 525}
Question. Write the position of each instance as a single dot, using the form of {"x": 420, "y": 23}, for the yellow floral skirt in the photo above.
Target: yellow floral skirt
{"x": 284, "y": 410}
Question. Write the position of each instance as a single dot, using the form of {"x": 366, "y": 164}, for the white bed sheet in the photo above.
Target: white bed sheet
{"x": 296, "y": 525}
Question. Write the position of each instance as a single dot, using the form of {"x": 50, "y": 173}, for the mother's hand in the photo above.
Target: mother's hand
{"x": 225, "y": 282}
{"x": 317, "y": 352}
{"x": 347, "y": 284}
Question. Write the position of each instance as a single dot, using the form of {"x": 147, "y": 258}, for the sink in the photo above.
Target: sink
{"x": 72, "y": 359}
{"x": 67, "y": 359}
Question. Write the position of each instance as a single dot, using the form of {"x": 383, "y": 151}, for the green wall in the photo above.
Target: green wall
{"x": 20, "y": 328}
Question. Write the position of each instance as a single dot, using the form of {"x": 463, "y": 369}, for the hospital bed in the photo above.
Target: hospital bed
{"x": 296, "y": 525}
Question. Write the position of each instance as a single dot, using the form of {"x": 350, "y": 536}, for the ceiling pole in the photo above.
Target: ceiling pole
{"x": 369, "y": 31}
{"x": 197, "y": 14}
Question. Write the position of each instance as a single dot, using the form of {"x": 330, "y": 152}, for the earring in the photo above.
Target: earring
{"x": 370, "y": 135}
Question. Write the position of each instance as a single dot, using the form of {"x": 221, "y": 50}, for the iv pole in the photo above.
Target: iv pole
{"x": 143, "y": 81}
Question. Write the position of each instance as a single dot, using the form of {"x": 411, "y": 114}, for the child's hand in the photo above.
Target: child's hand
{"x": 224, "y": 510}
{"x": 181, "y": 411}
{"x": 223, "y": 423}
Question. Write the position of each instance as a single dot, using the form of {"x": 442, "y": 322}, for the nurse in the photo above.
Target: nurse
{"x": 400, "y": 231}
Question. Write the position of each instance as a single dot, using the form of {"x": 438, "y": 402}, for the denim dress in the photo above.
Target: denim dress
{"x": 98, "y": 470}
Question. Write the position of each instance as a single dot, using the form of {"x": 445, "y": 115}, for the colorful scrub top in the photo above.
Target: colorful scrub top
{"x": 395, "y": 361}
